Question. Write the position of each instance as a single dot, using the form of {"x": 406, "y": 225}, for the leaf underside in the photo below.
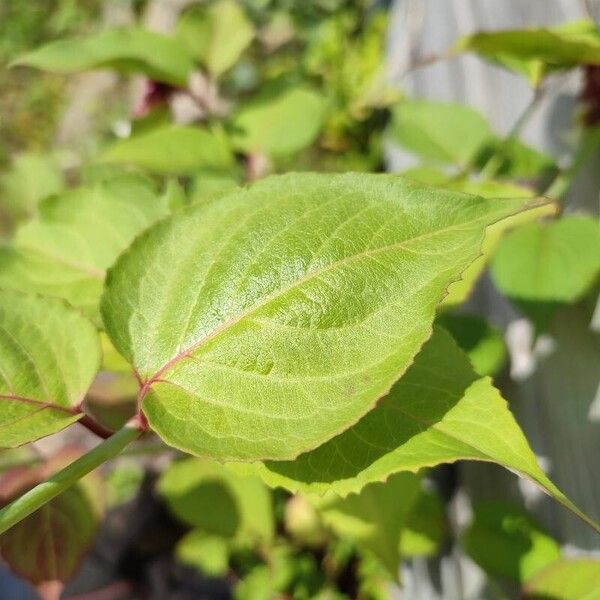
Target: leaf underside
{"x": 267, "y": 321}
{"x": 49, "y": 355}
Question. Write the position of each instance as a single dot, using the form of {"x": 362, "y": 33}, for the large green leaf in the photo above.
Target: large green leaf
{"x": 279, "y": 122}
{"x": 537, "y": 52}
{"x": 566, "y": 579}
{"x": 172, "y": 149}
{"x": 267, "y": 321}
{"x": 47, "y": 547}
{"x": 127, "y": 50}
{"x": 439, "y": 132}
{"x": 505, "y": 541}
{"x": 208, "y": 496}
{"x": 216, "y": 34}
{"x": 49, "y": 355}
{"x": 375, "y": 517}
{"x": 556, "y": 261}
{"x": 440, "y": 411}
{"x": 66, "y": 250}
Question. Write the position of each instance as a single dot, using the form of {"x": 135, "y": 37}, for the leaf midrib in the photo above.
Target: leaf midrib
{"x": 147, "y": 383}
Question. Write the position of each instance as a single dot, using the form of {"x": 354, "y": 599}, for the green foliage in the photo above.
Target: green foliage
{"x": 445, "y": 418}
{"x": 207, "y": 496}
{"x": 566, "y": 579}
{"x": 482, "y": 342}
{"x": 216, "y": 35}
{"x": 215, "y": 351}
{"x": 555, "y": 261}
{"x": 375, "y": 517}
{"x": 125, "y": 50}
{"x": 76, "y": 236}
{"x": 535, "y": 53}
{"x": 49, "y": 356}
{"x": 207, "y": 553}
{"x": 279, "y": 122}
{"x": 172, "y": 149}
{"x": 431, "y": 130}
{"x": 505, "y": 541}
{"x": 425, "y": 527}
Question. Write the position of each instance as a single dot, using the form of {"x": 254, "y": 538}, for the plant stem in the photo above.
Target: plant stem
{"x": 494, "y": 163}
{"x": 44, "y": 492}
{"x": 89, "y": 423}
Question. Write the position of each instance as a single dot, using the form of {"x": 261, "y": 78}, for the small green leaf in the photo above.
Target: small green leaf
{"x": 206, "y": 185}
{"x": 538, "y": 52}
{"x": 505, "y": 541}
{"x": 440, "y": 411}
{"x": 208, "y": 496}
{"x": 279, "y": 122}
{"x": 425, "y": 526}
{"x": 551, "y": 262}
{"x": 66, "y": 250}
{"x": 49, "y": 355}
{"x": 216, "y": 34}
{"x": 566, "y": 579}
{"x": 440, "y": 132}
{"x": 157, "y": 56}
{"x": 172, "y": 150}
{"x": 483, "y": 343}
{"x": 375, "y": 517}
{"x": 207, "y": 553}
{"x": 47, "y": 547}
{"x": 267, "y": 321}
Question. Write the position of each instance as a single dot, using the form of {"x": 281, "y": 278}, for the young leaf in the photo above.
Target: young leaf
{"x": 208, "y": 496}
{"x": 172, "y": 150}
{"x": 538, "y": 52}
{"x": 440, "y": 132}
{"x": 505, "y": 541}
{"x": 66, "y": 250}
{"x": 566, "y": 579}
{"x": 279, "y": 122}
{"x": 440, "y": 411}
{"x": 375, "y": 517}
{"x": 47, "y": 547}
{"x": 216, "y": 34}
{"x": 267, "y": 321}
{"x": 159, "y": 57}
{"x": 49, "y": 355}
{"x": 482, "y": 342}
{"x": 556, "y": 261}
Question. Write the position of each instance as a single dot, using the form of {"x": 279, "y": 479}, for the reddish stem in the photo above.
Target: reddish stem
{"x": 95, "y": 427}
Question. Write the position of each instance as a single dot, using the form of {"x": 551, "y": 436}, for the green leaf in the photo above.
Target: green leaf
{"x": 267, "y": 321}
{"x": 49, "y": 355}
{"x": 279, "y": 122}
{"x": 31, "y": 178}
{"x": 47, "y": 547}
{"x": 206, "y": 185}
{"x": 172, "y": 150}
{"x": 556, "y": 261}
{"x": 505, "y": 541}
{"x": 460, "y": 290}
{"x": 66, "y": 250}
{"x": 440, "y": 411}
{"x": 207, "y": 553}
{"x": 216, "y": 35}
{"x": 375, "y": 517}
{"x": 566, "y": 579}
{"x": 483, "y": 343}
{"x": 425, "y": 526}
{"x": 439, "y": 132}
{"x": 208, "y": 496}
{"x": 159, "y": 57}
{"x": 537, "y": 52}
